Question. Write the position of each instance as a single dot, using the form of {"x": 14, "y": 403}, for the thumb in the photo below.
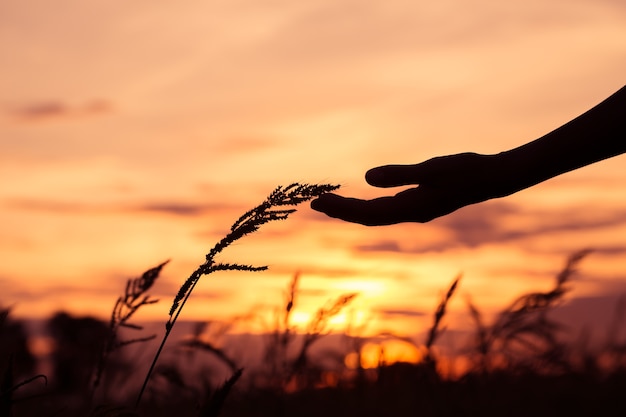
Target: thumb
{"x": 434, "y": 169}
{"x": 395, "y": 175}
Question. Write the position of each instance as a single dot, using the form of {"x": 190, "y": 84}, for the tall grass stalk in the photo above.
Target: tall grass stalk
{"x": 135, "y": 296}
{"x": 440, "y": 312}
{"x": 525, "y": 322}
{"x": 272, "y": 209}
{"x": 281, "y": 335}
{"x": 316, "y": 328}
{"x": 215, "y": 403}
{"x": 283, "y": 368}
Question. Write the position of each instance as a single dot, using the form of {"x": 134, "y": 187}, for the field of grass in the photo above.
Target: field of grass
{"x": 517, "y": 364}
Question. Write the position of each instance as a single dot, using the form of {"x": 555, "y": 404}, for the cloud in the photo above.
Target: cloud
{"x": 170, "y": 208}
{"x": 41, "y": 110}
{"x": 24, "y": 295}
{"x": 498, "y": 222}
{"x": 395, "y": 312}
{"x": 45, "y": 205}
{"x": 180, "y": 209}
{"x": 382, "y": 246}
{"x": 56, "y": 109}
{"x": 611, "y": 250}
{"x": 319, "y": 271}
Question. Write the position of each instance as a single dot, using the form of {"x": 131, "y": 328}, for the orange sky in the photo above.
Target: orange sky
{"x": 135, "y": 132}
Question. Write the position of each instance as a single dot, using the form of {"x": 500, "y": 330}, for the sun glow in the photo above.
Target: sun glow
{"x": 373, "y": 355}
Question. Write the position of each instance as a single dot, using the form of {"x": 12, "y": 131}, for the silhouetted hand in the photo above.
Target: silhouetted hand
{"x": 445, "y": 184}
{"x": 450, "y": 182}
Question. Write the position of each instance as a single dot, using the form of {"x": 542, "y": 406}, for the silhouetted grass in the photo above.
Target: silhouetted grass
{"x": 523, "y": 335}
{"x": 135, "y": 296}
{"x": 271, "y": 209}
{"x": 521, "y": 365}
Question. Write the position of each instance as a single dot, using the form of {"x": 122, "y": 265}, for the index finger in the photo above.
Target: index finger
{"x": 377, "y": 212}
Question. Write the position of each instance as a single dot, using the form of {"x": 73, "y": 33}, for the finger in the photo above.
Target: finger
{"x": 376, "y": 212}
{"x": 395, "y": 175}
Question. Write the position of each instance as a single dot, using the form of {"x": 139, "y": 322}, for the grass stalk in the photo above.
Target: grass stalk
{"x": 440, "y": 312}
{"x": 135, "y": 296}
{"x": 272, "y": 209}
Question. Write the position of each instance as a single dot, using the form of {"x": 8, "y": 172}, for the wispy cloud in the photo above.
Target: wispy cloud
{"x": 180, "y": 209}
{"x": 400, "y": 312}
{"x": 27, "y": 295}
{"x": 320, "y": 271}
{"x": 497, "y": 222}
{"x": 380, "y": 246}
{"x": 57, "y": 109}
{"x": 183, "y": 209}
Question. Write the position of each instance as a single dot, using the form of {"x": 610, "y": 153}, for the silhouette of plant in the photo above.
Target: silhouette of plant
{"x": 272, "y": 209}
{"x": 135, "y": 296}
{"x": 213, "y": 407}
{"x": 206, "y": 337}
{"x": 523, "y": 332}
{"x": 316, "y": 328}
{"x": 440, "y": 312}
{"x": 286, "y": 355}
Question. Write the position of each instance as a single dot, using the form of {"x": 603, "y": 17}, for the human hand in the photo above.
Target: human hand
{"x": 445, "y": 184}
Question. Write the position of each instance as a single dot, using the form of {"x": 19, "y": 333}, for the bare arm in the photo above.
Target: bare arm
{"x": 450, "y": 182}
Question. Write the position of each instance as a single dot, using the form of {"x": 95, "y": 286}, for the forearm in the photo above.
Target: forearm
{"x": 598, "y": 134}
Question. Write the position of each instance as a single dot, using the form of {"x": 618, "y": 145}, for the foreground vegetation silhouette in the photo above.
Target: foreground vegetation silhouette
{"x": 519, "y": 364}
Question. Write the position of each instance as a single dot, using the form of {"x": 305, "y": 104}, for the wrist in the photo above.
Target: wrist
{"x": 510, "y": 173}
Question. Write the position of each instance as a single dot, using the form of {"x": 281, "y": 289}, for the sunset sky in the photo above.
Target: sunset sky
{"x": 136, "y": 132}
